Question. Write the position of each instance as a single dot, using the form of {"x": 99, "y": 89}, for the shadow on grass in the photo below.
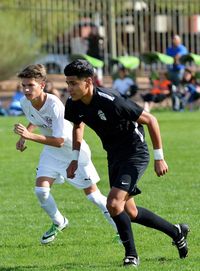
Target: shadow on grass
{"x": 63, "y": 267}
{"x": 87, "y": 266}
{"x": 19, "y": 268}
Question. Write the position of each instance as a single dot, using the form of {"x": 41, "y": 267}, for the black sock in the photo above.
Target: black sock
{"x": 149, "y": 219}
{"x": 123, "y": 224}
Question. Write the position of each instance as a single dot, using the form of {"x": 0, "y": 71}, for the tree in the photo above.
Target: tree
{"x": 18, "y": 45}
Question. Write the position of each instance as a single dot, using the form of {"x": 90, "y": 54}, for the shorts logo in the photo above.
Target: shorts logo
{"x": 124, "y": 183}
{"x": 87, "y": 179}
{"x": 101, "y": 115}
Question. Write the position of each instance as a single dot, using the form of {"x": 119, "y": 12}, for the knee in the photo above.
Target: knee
{"x": 114, "y": 207}
{"x": 42, "y": 194}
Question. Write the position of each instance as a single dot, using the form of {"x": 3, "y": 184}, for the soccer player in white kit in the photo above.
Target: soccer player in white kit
{"x": 46, "y": 111}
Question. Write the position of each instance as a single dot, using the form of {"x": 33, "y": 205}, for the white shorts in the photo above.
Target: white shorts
{"x": 85, "y": 175}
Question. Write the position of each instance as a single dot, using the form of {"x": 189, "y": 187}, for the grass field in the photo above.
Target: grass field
{"x": 88, "y": 242}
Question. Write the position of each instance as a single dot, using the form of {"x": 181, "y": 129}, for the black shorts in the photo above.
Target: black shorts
{"x": 125, "y": 174}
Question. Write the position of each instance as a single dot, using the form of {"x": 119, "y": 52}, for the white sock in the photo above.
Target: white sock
{"x": 100, "y": 200}
{"x": 48, "y": 203}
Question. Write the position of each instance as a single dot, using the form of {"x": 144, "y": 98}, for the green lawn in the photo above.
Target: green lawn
{"x": 88, "y": 242}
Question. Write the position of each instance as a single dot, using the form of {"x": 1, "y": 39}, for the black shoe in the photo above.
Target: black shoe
{"x": 181, "y": 242}
{"x": 131, "y": 261}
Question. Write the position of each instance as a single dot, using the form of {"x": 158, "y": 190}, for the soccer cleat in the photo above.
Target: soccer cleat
{"x": 117, "y": 239}
{"x": 131, "y": 261}
{"x": 50, "y": 235}
{"x": 181, "y": 242}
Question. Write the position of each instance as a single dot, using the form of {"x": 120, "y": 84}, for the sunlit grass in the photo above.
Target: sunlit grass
{"x": 88, "y": 242}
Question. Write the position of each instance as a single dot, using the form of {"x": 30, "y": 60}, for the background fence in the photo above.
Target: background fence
{"x": 123, "y": 27}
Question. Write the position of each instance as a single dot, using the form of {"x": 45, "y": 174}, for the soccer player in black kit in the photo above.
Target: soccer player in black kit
{"x": 119, "y": 124}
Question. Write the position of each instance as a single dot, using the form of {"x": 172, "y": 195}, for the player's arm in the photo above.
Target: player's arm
{"x": 77, "y": 134}
{"x": 154, "y": 131}
{"x": 20, "y": 145}
{"x": 78, "y": 131}
{"x": 26, "y": 133}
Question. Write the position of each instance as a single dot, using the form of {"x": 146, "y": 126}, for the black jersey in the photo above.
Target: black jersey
{"x": 113, "y": 118}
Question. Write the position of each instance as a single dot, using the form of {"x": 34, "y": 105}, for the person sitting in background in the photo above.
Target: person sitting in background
{"x": 124, "y": 84}
{"x": 15, "y": 108}
{"x": 191, "y": 89}
{"x": 176, "y": 70}
{"x": 159, "y": 91}
{"x": 2, "y": 110}
{"x": 49, "y": 88}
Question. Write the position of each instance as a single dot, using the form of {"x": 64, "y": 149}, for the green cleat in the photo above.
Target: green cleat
{"x": 117, "y": 239}
{"x": 50, "y": 235}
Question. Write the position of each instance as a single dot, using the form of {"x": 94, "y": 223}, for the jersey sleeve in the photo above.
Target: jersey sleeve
{"x": 71, "y": 112}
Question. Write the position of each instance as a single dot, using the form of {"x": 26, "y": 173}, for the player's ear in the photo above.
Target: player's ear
{"x": 89, "y": 80}
{"x": 43, "y": 84}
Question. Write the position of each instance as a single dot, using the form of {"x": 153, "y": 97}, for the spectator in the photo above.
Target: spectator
{"x": 95, "y": 48}
{"x": 176, "y": 70}
{"x": 124, "y": 84}
{"x": 191, "y": 89}
{"x": 2, "y": 110}
{"x": 159, "y": 92}
{"x": 95, "y": 42}
{"x": 15, "y": 108}
{"x": 78, "y": 43}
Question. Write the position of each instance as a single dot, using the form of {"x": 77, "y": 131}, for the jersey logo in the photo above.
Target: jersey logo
{"x": 48, "y": 123}
{"x": 101, "y": 115}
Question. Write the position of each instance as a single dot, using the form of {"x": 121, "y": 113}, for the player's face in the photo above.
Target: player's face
{"x": 78, "y": 88}
{"x": 32, "y": 89}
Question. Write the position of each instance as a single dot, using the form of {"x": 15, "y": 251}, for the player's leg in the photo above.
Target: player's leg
{"x": 47, "y": 174}
{"x": 123, "y": 176}
{"x": 86, "y": 178}
{"x": 94, "y": 195}
{"x": 115, "y": 204}
{"x": 47, "y": 202}
{"x": 147, "y": 218}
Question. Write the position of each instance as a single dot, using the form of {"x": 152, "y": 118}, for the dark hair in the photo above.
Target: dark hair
{"x": 191, "y": 80}
{"x": 36, "y": 71}
{"x": 80, "y": 68}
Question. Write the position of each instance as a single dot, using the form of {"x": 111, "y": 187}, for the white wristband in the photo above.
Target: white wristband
{"x": 158, "y": 154}
{"x": 75, "y": 155}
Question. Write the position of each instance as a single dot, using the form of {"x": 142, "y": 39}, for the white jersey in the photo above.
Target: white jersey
{"x": 51, "y": 122}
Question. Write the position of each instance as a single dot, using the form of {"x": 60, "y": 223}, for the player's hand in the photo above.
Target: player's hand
{"x": 160, "y": 167}
{"x": 20, "y": 145}
{"x": 21, "y": 130}
{"x": 71, "y": 169}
